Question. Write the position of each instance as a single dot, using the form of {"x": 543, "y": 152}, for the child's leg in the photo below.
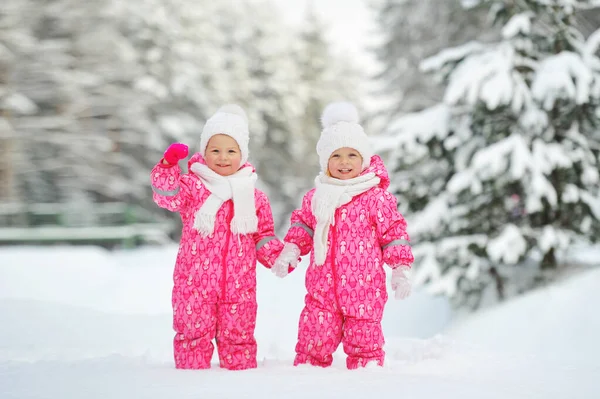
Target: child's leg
{"x": 195, "y": 327}
{"x": 363, "y": 342}
{"x": 235, "y": 335}
{"x": 319, "y": 334}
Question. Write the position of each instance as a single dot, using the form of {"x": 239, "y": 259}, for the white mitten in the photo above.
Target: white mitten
{"x": 401, "y": 282}
{"x": 287, "y": 260}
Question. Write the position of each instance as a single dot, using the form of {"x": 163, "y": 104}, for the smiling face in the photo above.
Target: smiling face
{"x": 223, "y": 155}
{"x": 345, "y": 163}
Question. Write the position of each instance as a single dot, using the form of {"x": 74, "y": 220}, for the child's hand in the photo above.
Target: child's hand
{"x": 287, "y": 260}
{"x": 175, "y": 153}
{"x": 400, "y": 282}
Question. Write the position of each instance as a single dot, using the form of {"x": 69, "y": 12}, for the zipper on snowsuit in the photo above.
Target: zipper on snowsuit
{"x": 224, "y": 257}
{"x": 334, "y": 274}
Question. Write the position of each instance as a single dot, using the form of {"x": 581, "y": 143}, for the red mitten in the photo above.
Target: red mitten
{"x": 175, "y": 153}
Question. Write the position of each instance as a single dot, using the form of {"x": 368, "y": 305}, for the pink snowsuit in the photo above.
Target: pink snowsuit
{"x": 214, "y": 292}
{"x": 347, "y": 294}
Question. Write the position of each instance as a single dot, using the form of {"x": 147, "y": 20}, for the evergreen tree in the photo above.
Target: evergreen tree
{"x": 178, "y": 48}
{"x": 324, "y": 77}
{"x": 314, "y": 58}
{"x": 292, "y": 76}
{"x": 412, "y": 30}
{"x": 92, "y": 93}
{"x": 502, "y": 177}
{"x": 273, "y": 109}
{"x": 71, "y": 62}
{"x": 15, "y": 38}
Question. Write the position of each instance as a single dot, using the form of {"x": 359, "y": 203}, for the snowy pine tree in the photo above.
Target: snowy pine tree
{"x": 324, "y": 77}
{"x": 178, "y": 49}
{"x": 314, "y": 59}
{"x": 292, "y": 76}
{"x": 412, "y": 30}
{"x": 49, "y": 137}
{"x": 15, "y": 38}
{"x": 268, "y": 94}
{"x": 502, "y": 177}
{"x": 91, "y": 94}
{"x": 74, "y": 70}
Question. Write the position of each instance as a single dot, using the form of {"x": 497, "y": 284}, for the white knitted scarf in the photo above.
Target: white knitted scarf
{"x": 238, "y": 187}
{"x": 330, "y": 194}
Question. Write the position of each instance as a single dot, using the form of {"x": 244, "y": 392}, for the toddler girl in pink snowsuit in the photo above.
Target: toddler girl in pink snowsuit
{"x": 227, "y": 227}
{"x": 352, "y": 225}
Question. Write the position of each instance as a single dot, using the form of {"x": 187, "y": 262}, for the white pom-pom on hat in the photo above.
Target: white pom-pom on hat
{"x": 230, "y": 119}
{"x": 341, "y": 128}
{"x": 338, "y": 112}
{"x": 234, "y": 109}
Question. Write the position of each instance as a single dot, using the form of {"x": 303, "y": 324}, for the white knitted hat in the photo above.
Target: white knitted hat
{"x": 341, "y": 129}
{"x": 231, "y": 120}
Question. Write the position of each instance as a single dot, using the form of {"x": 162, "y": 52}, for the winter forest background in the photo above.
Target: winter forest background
{"x": 486, "y": 112}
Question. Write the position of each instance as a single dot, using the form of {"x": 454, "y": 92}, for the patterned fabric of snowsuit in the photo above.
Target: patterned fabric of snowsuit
{"x": 214, "y": 292}
{"x": 346, "y": 296}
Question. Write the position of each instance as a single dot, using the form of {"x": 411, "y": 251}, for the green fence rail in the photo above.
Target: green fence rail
{"x": 107, "y": 224}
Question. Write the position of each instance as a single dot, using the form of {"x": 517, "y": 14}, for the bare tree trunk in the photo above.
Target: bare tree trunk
{"x": 499, "y": 283}
{"x": 7, "y": 183}
{"x": 549, "y": 260}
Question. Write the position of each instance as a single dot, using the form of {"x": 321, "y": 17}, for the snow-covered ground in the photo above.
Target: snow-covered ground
{"x": 84, "y": 322}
